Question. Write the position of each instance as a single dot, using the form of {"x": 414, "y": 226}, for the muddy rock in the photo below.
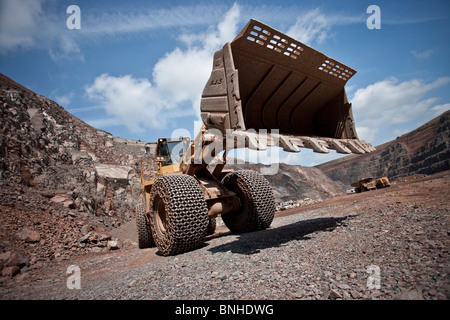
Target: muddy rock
{"x": 28, "y": 235}
{"x": 10, "y": 272}
{"x": 113, "y": 245}
{"x": 18, "y": 260}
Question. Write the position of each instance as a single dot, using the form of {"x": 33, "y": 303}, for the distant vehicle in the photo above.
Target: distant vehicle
{"x": 370, "y": 184}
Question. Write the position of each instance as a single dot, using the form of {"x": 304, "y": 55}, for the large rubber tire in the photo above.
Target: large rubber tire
{"x": 144, "y": 232}
{"x": 211, "y": 226}
{"x": 257, "y": 202}
{"x": 178, "y": 214}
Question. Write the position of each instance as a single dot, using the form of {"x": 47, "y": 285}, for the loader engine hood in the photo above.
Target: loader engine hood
{"x": 265, "y": 80}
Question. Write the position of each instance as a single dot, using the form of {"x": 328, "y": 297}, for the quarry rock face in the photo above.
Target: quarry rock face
{"x": 59, "y": 178}
{"x": 44, "y": 147}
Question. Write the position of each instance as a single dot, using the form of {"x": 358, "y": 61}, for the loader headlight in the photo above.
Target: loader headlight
{"x": 160, "y": 158}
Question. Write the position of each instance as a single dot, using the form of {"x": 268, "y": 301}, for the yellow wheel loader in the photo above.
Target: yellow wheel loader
{"x": 265, "y": 89}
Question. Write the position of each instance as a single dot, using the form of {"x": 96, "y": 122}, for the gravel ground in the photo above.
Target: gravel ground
{"x": 385, "y": 244}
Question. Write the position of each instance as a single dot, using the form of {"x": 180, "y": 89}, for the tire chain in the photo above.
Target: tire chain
{"x": 145, "y": 238}
{"x": 259, "y": 197}
{"x": 186, "y": 211}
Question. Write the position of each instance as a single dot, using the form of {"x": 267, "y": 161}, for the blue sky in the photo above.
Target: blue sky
{"x": 137, "y": 68}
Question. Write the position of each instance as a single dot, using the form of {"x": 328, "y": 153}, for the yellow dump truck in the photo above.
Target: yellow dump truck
{"x": 265, "y": 89}
{"x": 370, "y": 184}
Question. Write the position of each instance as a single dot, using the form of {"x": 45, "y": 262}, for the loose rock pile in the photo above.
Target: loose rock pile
{"x": 295, "y": 204}
{"x": 36, "y": 231}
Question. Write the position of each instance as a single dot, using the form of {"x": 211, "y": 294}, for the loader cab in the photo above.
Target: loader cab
{"x": 169, "y": 151}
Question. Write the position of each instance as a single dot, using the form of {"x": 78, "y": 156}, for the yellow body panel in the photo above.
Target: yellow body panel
{"x": 172, "y": 168}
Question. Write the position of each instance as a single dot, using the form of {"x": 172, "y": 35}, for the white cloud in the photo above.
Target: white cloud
{"x": 66, "y": 49}
{"x": 311, "y": 26}
{"x": 36, "y": 24}
{"x": 178, "y": 80}
{"x": 129, "y": 101}
{"x": 25, "y": 25}
{"x": 182, "y": 74}
{"x": 18, "y": 21}
{"x": 107, "y": 122}
{"x": 147, "y": 18}
{"x": 63, "y": 100}
{"x": 422, "y": 54}
{"x": 390, "y": 103}
{"x": 440, "y": 109}
{"x": 314, "y": 26}
{"x": 84, "y": 109}
{"x": 398, "y": 132}
{"x": 366, "y": 133}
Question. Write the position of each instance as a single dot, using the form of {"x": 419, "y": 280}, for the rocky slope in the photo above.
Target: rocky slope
{"x": 44, "y": 147}
{"x": 425, "y": 150}
{"x": 63, "y": 183}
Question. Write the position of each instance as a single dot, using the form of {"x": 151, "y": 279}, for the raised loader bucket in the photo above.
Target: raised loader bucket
{"x": 264, "y": 79}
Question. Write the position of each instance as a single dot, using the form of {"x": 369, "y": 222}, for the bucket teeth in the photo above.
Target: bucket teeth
{"x": 355, "y": 147}
{"x": 256, "y": 141}
{"x": 339, "y": 147}
{"x": 316, "y": 146}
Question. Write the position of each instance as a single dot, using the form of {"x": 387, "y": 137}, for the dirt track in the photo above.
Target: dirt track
{"x": 385, "y": 244}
